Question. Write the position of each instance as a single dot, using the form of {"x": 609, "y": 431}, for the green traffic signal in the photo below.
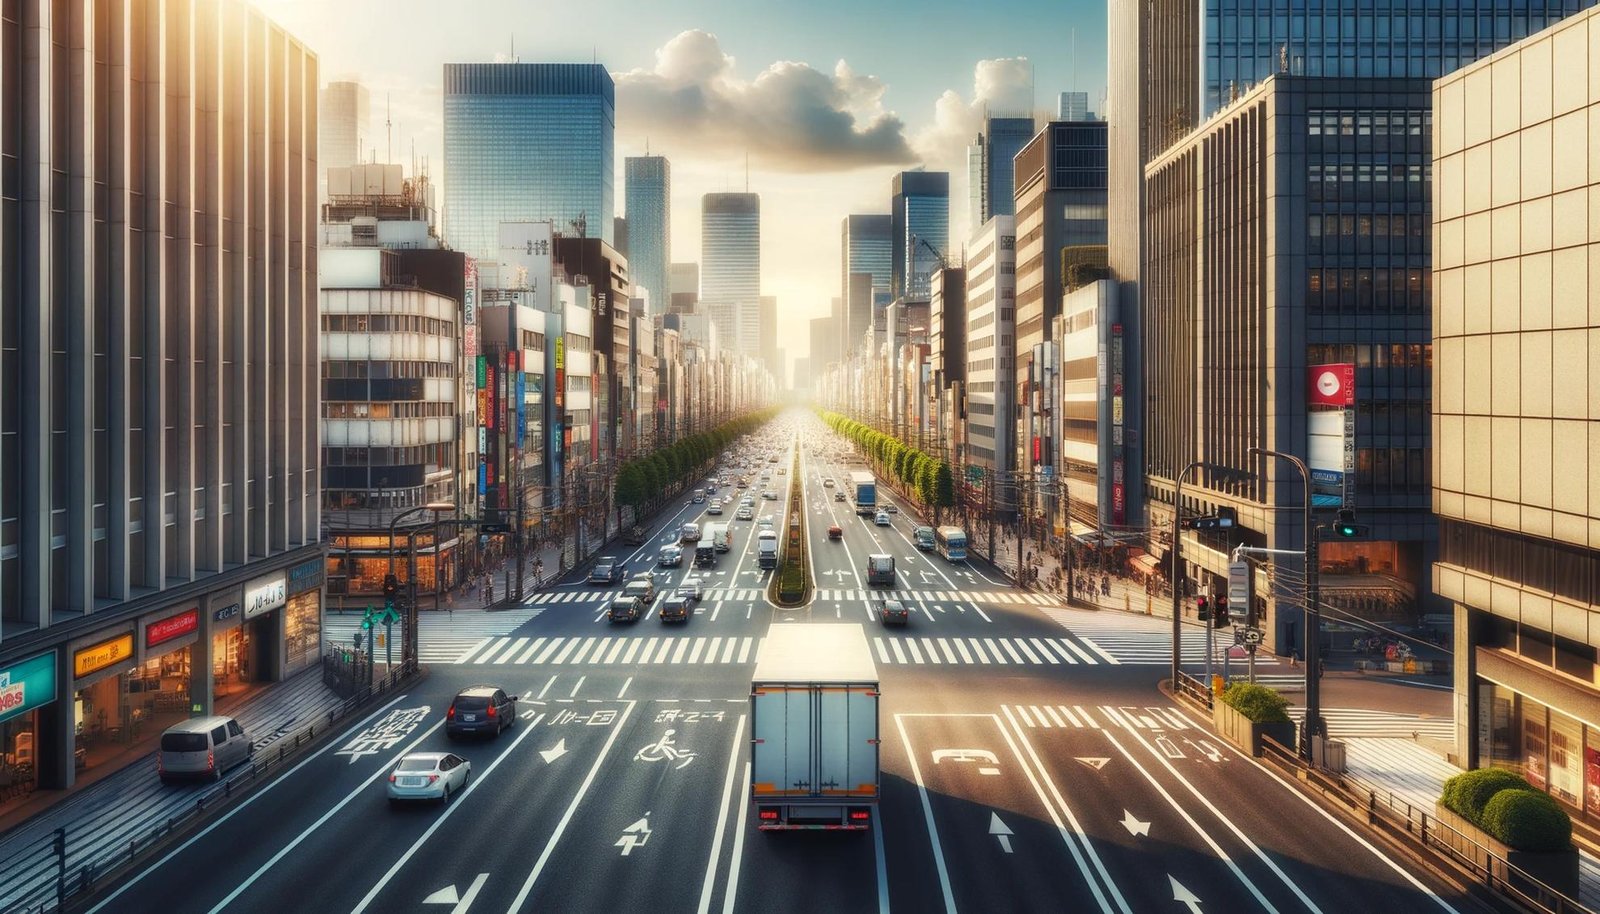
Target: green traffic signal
{"x": 1345, "y": 526}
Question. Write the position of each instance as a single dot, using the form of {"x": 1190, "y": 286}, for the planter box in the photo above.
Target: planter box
{"x": 1557, "y": 869}
{"x": 1245, "y": 733}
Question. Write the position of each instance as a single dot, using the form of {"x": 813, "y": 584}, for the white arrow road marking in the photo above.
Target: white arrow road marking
{"x": 1095, "y": 763}
{"x": 554, "y": 752}
{"x": 1134, "y": 826}
{"x": 1000, "y": 831}
{"x": 635, "y": 835}
{"x": 447, "y": 895}
{"x": 1183, "y": 896}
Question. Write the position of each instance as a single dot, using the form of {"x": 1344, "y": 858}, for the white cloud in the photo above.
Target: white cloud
{"x": 791, "y": 117}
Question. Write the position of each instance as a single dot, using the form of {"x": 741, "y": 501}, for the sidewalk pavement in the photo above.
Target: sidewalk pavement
{"x": 1415, "y": 775}
{"x": 118, "y": 805}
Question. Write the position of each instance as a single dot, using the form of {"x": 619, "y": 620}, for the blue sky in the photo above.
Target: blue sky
{"x": 910, "y": 87}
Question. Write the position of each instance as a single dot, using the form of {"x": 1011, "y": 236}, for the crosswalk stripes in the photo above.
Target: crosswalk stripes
{"x": 1143, "y": 641}
{"x": 838, "y": 594}
{"x": 441, "y": 637}
{"x": 1347, "y": 723}
{"x": 579, "y": 650}
{"x": 914, "y": 651}
{"x": 1077, "y": 717}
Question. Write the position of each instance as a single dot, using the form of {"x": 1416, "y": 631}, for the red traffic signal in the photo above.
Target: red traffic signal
{"x": 1220, "y": 612}
{"x": 1203, "y": 607}
{"x": 391, "y": 586}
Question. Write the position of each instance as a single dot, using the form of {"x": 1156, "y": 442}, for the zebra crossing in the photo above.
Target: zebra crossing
{"x": 624, "y": 650}
{"x": 821, "y": 594}
{"x": 1078, "y": 717}
{"x": 441, "y": 637}
{"x": 1348, "y": 723}
{"x": 1145, "y": 641}
{"x": 989, "y": 652}
{"x": 601, "y": 597}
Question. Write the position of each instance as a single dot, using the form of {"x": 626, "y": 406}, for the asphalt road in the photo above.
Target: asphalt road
{"x": 1029, "y": 763}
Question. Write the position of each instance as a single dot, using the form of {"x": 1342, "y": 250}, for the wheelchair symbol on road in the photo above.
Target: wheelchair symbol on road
{"x": 665, "y": 750}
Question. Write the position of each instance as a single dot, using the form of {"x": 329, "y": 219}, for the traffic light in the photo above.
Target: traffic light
{"x": 1203, "y": 607}
{"x": 391, "y": 588}
{"x": 1224, "y": 519}
{"x": 1220, "y": 612}
{"x": 1345, "y": 526}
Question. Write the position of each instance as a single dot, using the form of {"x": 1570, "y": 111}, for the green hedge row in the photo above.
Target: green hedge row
{"x": 1505, "y": 805}
{"x": 642, "y": 480}
{"x": 1256, "y": 702}
{"x": 928, "y": 476}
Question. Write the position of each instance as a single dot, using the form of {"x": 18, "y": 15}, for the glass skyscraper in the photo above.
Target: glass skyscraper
{"x": 527, "y": 142}
{"x": 920, "y": 230}
{"x": 649, "y": 199}
{"x": 990, "y": 168}
{"x": 864, "y": 249}
{"x": 730, "y": 268}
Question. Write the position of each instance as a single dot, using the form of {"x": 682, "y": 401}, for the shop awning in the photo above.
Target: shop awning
{"x": 1149, "y": 564}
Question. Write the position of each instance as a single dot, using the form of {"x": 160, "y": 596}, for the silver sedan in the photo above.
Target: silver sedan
{"x": 428, "y": 776}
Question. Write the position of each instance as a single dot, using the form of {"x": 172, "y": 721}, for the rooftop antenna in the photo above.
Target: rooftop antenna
{"x": 388, "y": 129}
{"x": 513, "y": 47}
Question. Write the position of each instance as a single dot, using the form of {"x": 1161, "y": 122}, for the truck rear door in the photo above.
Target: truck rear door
{"x": 781, "y": 760}
{"x": 847, "y": 757}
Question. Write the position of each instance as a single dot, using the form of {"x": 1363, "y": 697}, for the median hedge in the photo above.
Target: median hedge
{"x": 929, "y": 477}
{"x": 646, "y": 479}
{"x": 1504, "y": 804}
{"x": 1257, "y": 703}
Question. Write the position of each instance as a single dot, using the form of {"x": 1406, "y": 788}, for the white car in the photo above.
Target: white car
{"x": 714, "y": 508}
{"x": 827, "y": 483}
{"x": 745, "y": 512}
{"x": 881, "y": 519}
{"x": 748, "y": 501}
{"x": 891, "y": 507}
{"x": 765, "y": 523}
{"x": 770, "y": 495}
{"x": 428, "y": 776}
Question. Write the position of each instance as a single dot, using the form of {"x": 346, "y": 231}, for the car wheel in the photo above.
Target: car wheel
{"x": 445, "y": 800}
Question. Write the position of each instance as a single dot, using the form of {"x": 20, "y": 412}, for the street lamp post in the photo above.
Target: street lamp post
{"x": 1177, "y": 570}
{"x": 1312, "y": 725}
{"x": 410, "y": 652}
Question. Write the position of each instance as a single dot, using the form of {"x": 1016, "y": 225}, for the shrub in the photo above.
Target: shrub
{"x": 1528, "y": 820}
{"x": 1469, "y": 792}
{"x": 1257, "y": 703}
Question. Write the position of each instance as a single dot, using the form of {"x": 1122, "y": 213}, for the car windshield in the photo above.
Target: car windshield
{"x": 183, "y": 742}
{"x": 413, "y": 765}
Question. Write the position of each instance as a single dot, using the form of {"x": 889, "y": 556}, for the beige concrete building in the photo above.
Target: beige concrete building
{"x": 1516, "y": 394}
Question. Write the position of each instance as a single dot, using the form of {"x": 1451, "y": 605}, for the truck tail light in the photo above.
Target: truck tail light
{"x": 859, "y": 815}
{"x": 767, "y": 815}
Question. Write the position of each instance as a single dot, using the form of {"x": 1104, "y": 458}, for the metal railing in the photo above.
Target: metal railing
{"x": 60, "y": 872}
{"x": 1400, "y": 816}
{"x": 1191, "y": 689}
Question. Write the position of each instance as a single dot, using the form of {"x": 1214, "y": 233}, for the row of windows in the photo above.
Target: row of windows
{"x": 1366, "y": 122}
{"x": 1369, "y": 355}
{"x": 1368, "y": 290}
{"x": 412, "y": 410}
{"x": 1418, "y": 170}
{"x": 579, "y": 383}
{"x": 429, "y": 455}
{"x": 980, "y": 387}
{"x": 1393, "y": 471}
{"x": 980, "y": 409}
{"x": 980, "y": 453}
{"x": 578, "y": 343}
{"x": 980, "y": 365}
{"x": 387, "y": 323}
{"x": 1557, "y": 568}
{"x": 341, "y": 368}
{"x": 1367, "y": 225}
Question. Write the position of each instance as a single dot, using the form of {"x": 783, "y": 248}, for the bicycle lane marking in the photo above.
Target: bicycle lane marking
{"x": 360, "y": 726}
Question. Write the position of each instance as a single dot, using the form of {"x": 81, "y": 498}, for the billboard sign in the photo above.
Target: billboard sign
{"x": 1331, "y": 385}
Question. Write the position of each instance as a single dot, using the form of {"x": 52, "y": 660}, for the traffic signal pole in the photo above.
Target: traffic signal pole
{"x": 1312, "y": 725}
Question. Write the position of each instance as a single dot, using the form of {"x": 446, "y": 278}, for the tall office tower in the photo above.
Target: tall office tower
{"x": 767, "y": 333}
{"x": 991, "y": 346}
{"x": 527, "y": 141}
{"x": 919, "y": 230}
{"x": 730, "y": 261}
{"x": 1073, "y": 106}
{"x": 344, "y": 126}
{"x": 619, "y": 231}
{"x": 824, "y": 343}
{"x": 865, "y": 248}
{"x": 989, "y": 163}
{"x": 648, "y": 188}
{"x": 159, "y": 468}
{"x": 683, "y": 281}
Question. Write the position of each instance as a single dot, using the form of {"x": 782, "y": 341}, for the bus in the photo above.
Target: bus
{"x": 951, "y": 543}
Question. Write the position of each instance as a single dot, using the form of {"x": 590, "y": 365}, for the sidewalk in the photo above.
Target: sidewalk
{"x": 122, "y": 804}
{"x": 1416, "y": 776}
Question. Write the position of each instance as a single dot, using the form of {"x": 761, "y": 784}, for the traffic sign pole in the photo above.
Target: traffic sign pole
{"x": 388, "y": 641}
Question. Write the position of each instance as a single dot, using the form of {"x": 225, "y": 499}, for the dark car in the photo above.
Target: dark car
{"x": 606, "y": 571}
{"x": 675, "y": 608}
{"x": 893, "y": 612}
{"x": 480, "y": 710}
{"x": 626, "y": 609}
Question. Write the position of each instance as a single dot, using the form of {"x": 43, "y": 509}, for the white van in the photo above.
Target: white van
{"x": 204, "y": 747}
{"x": 880, "y": 569}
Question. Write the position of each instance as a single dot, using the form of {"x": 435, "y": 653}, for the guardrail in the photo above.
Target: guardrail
{"x": 1404, "y": 819}
{"x": 1193, "y": 690}
{"x": 63, "y": 874}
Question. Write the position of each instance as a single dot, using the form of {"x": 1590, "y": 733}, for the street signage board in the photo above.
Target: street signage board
{"x": 1252, "y": 636}
{"x": 1240, "y": 580}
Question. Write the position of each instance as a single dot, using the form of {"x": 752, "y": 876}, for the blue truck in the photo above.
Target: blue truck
{"x": 864, "y": 492}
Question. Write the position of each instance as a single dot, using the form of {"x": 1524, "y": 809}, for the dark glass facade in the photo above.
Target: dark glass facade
{"x": 649, "y": 226}
{"x": 920, "y": 219}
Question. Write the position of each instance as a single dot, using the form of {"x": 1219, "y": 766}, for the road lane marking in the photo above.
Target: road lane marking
{"x": 694, "y": 654}
{"x": 1079, "y": 651}
{"x": 625, "y": 685}
{"x": 927, "y": 813}
{"x": 1025, "y": 716}
{"x": 546, "y": 688}
{"x": 722, "y": 820}
{"x": 1055, "y": 717}
{"x": 633, "y": 648}
{"x": 532, "y": 649}
{"x": 283, "y": 779}
{"x": 1087, "y": 716}
{"x": 1023, "y": 646}
{"x": 284, "y": 851}
{"x": 515, "y": 646}
{"x": 933, "y": 655}
{"x": 730, "y": 893}
{"x": 576, "y": 686}
{"x": 649, "y": 648}
{"x": 450, "y": 809}
{"x": 727, "y": 649}
{"x": 550, "y": 648}
{"x": 979, "y": 611}
{"x": 883, "y": 652}
{"x": 666, "y": 647}
{"x": 1239, "y": 833}
{"x": 677, "y": 655}
{"x": 1193, "y": 825}
{"x": 1056, "y": 810}
{"x": 744, "y": 650}
{"x": 899, "y": 655}
{"x": 945, "y": 646}
{"x": 561, "y": 827}
{"x": 1089, "y": 642}
{"x": 911, "y": 645}
{"x": 473, "y": 650}
{"x": 616, "y": 648}
{"x": 1073, "y": 718}
{"x": 711, "y": 653}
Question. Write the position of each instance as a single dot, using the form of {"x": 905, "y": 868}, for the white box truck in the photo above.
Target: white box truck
{"x": 720, "y": 536}
{"x": 814, "y": 727}
{"x": 767, "y": 549}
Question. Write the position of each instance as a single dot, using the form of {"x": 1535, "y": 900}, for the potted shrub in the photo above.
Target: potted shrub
{"x": 1248, "y": 712}
{"x": 1494, "y": 815}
